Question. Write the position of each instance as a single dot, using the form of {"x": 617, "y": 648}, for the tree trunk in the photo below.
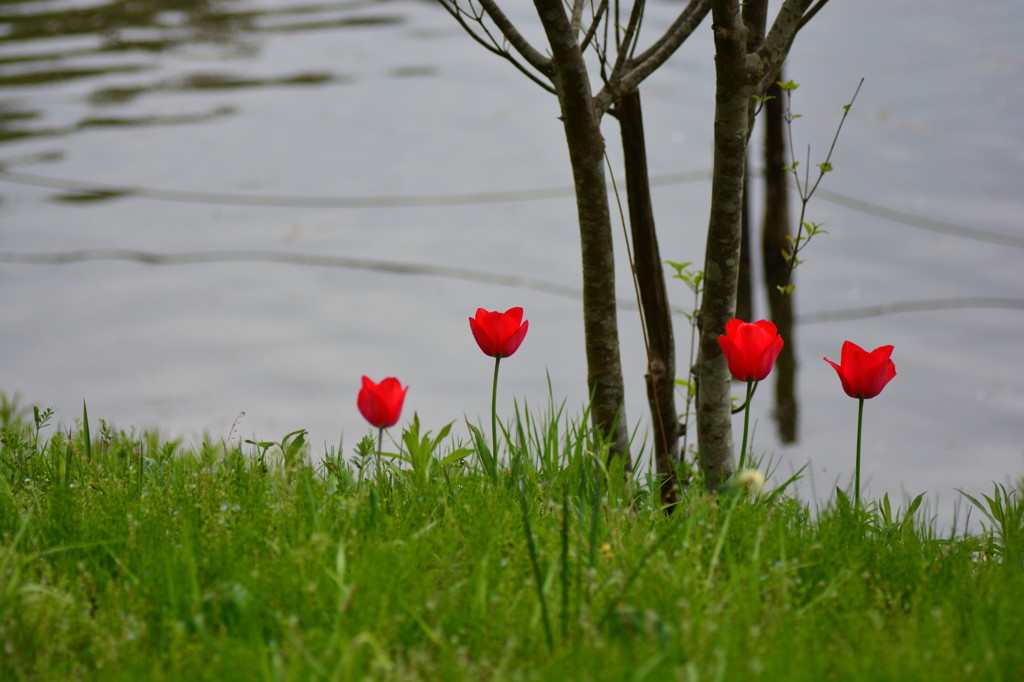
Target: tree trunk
{"x": 586, "y": 154}
{"x": 657, "y": 315}
{"x": 755, "y": 15}
{"x": 774, "y": 241}
{"x": 722, "y": 258}
{"x": 745, "y": 288}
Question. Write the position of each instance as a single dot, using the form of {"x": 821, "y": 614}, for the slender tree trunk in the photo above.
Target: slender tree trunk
{"x": 586, "y": 154}
{"x": 745, "y": 288}
{"x": 774, "y": 241}
{"x": 755, "y": 15}
{"x": 722, "y": 258}
{"x": 657, "y": 315}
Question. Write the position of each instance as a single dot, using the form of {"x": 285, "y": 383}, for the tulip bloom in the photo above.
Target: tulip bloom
{"x": 381, "y": 403}
{"x": 864, "y": 374}
{"x": 750, "y": 348}
{"x": 499, "y": 334}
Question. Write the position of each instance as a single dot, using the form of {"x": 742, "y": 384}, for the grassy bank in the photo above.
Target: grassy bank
{"x": 127, "y": 557}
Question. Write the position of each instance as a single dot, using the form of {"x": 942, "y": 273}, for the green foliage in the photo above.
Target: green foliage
{"x": 292, "y": 447}
{"x": 693, "y": 278}
{"x": 1004, "y": 530}
{"x": 420, "y": 451}
{"x": 124, "y": 556}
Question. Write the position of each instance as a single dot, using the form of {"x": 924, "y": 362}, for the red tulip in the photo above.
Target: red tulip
{"x": 864, "y": 374}
{"x": 750, "y": 348}
{"x": 381, "y": 403}
{"x": 499, "y": 334}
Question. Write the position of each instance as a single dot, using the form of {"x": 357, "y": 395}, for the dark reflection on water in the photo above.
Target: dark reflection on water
{"x": 47, "y": 44}
{"x": 112, "y": 122}
{"x": 205, "y": 81}
{"x": 173, "y": 22}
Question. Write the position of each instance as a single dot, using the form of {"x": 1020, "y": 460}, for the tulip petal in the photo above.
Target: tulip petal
{"x": 513, "y": 342}
{"x": 480, "y": 333}
{"x": 732, "y": 326}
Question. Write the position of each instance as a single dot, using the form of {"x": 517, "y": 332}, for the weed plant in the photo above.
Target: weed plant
{"x": 124, "y": 556}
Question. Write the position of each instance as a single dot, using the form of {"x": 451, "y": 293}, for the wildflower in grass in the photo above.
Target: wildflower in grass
{"x": 863, "y": 376}
{"x": 751, "y": 479}
{"x": 606, "y": 550}
{"x": 750, "y": 349}
{"x": 498, "y": 335}
{"x": 381, "y": 404}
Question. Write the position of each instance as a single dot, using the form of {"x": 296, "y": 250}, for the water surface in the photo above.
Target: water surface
{"x": 377, "y": 137}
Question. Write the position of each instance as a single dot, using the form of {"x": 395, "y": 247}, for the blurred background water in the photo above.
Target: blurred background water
{"x": 256, "y": 202}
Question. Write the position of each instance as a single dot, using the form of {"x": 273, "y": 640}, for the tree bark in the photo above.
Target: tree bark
{"x": 657, "y": 314}
{"x": 755, "y": 16}
{"x": 774, "y": 241}
{"x": 745, "y": 287}
{"x": 586, "y": 154}
{"x": 722, "y": 257}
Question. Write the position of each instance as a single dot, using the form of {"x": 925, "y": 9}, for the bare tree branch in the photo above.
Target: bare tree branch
{"x": 811, "y": 12}
{"x": 682, "y": 20}
{"x": 491, "y": 43}
{"x": 629, "y": 36}
{"x": 512, "y": 34}
{"x": 636, "y": 39}
{"x": 577, "y": 16}
{"x": 636, "y": 70}
{"x": 532, "y": 56}
{"x": 594, "y": 25}
{"x": 764, "y": 63}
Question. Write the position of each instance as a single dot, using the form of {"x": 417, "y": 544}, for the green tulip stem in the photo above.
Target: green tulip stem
{"x": 856, "y": 476}
{"x": 380, "y": 445}
{"x": 494, "y": 408}
{"x": 746, "y": 422}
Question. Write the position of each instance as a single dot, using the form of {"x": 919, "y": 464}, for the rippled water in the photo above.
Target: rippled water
{"x": 311, "y": 192}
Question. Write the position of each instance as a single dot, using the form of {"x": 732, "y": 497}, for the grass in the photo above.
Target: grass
{"x": 128, "y": 557}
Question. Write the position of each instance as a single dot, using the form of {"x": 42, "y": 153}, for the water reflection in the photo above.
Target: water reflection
{"x": 206, "y": 81}
{"x": 48, "y": 44}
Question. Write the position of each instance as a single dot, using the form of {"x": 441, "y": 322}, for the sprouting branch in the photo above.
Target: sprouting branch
{"x": 806, "y": 190}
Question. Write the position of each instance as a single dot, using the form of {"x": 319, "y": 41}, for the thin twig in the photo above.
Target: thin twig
{"x": 491, "y": 43}
{"x": 594, "y": 24}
